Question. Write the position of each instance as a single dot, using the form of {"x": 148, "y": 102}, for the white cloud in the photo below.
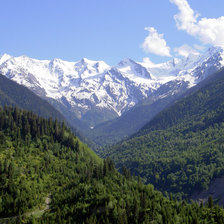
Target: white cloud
{"x": 187, "y": 17}
{"x": 207, "y": 30}
{"x": 199, "y": 47}
{"x": 155, "y": 43}
{"x": 148, "y": 61}
{"x": 185, "y": 50}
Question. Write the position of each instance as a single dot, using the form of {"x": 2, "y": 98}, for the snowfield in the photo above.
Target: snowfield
{"x": 88, "y": 84}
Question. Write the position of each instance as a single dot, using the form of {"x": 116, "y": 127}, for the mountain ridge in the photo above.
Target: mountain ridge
{"x": 13, "y": 94}
{"x": 90, "y": 89}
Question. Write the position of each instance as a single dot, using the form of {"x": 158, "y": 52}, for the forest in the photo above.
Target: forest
{"x": 181, "y": 150}
{"x": 41, "y": 158}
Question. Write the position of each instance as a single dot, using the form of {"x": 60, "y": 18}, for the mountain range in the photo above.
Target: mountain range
{"x": 89, "y": 93}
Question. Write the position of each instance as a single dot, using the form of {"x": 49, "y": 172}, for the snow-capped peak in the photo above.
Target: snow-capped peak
{"x": 92, "y": 63}
{"x": 85, "y": 85}
{"x": 125, "y": 62}
{"x": 215, "y": 49}
{"x": 130, "y": 68}
{"x": 4, "y": 58}
{"x": 56, "y": 61}
{"x": 88, "y": 68}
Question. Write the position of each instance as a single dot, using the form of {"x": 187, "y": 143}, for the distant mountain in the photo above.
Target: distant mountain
{"x": 187, "y": 73}
{"x": 181, "y": 149}
{"x": 93, "y": 92}
{"x": 115, "y": 130}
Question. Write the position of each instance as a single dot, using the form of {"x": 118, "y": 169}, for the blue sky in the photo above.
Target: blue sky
{"x": 110, "y": 30}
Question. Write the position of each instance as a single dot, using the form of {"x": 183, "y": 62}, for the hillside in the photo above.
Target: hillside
{"x": 181, "y": 149}
{"x": 13, "y": 94}
{"x": 17, "y": 95}
{"x": 49, "y": 176}
{"x": 36, "y": 156}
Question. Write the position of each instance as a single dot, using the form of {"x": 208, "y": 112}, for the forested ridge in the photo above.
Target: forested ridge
{"x": 41, "y": 158}
{"x": 14, "y": 94}
{"x": 37, "y": 155}
{"x": 182, "y": 149}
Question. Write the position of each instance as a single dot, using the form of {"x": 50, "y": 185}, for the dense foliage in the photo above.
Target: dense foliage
{"x": 182, "y": 149}
{"x": 107, "y": 197}
{"x": 36, "y": 155}
{"x": 41, "y": 159}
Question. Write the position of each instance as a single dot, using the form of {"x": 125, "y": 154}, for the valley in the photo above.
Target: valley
{"x": 112, "y": 112}
{"x": 181, "y": 149}
{"x": 84, "y": 188}
{"x": 164, "y": 134}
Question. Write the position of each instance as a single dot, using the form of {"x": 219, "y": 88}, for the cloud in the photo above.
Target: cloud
{"x": 207, "y": 30}
{"x": 199, "y": 47}
{"x": 155, "y": 43}
{"x": 148, "y": 61}
{"x": 185, "y": 50}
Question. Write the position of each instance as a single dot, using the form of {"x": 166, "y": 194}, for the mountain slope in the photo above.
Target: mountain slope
{"x": 179, "y": 76}
{"x": 81, "y": 86}
{"x": 17, "y": 95}
{"x": 13, "y": 94}
{"x": 46, "y": 161}
{"x": 94, "y": 92}
{"x": 31, "y": 158}
{"x": 181, "y": 149}
{"x": 130, "y": 122}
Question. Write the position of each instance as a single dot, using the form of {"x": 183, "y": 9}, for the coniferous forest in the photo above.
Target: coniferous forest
{"x": 181, "y": 149}
{"x": 49, "y": 176}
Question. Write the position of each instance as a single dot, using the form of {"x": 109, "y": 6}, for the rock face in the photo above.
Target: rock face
{"x": 215, "y": 190}
{"x": 95, "y": 92}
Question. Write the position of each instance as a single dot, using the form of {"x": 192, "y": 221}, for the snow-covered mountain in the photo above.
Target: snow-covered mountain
{"x": 95, "y": 91}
